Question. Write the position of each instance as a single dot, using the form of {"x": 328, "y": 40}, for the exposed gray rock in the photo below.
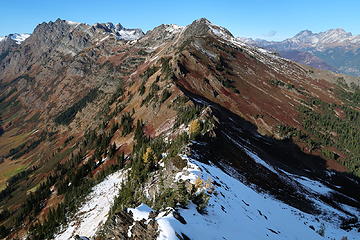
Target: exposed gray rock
{"x": 122, "y": 226}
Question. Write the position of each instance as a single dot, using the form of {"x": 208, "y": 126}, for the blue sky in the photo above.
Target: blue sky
{"x": 269, "y": 19}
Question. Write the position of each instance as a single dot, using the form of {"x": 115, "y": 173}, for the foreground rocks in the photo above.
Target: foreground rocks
{"x": 122, "y": 226}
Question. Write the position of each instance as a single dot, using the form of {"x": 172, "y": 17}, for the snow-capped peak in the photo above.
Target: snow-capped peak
{"x": 304, "y": 33}
{"x": 307, "y": 38}
{"x": 18, "y": 38}
{"x": 72, "y": 23}
{"x": 334, "y": 35}
{"x": 220, "y": 31}
{"x": 120, "y": 32}
{"x": 173, "y": 28}
{"x": 129, "y": 34}
{"x": 203, "y": 25}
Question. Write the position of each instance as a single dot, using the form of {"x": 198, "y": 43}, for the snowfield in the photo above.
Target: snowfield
{"x": 18, "y": 38}
{"x": 236, "y": 211}
{"x": 94, "y": 212}
{"x": 129, "y": 34}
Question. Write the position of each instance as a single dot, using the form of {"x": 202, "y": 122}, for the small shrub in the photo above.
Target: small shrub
{"x": 179, "y": 162}
{"x": 285, "y": 131}
{"x": 201, "y": 200}
{"x": 149, "y": 72}
{"x": 328, "y": 154}
{"x": 195, "y": 128}
{"x": 165, "y": 95}
{"x": 67, "y": 140}
{"x": 166, "y": 69}
{"x": 126, "y": 122}
{"x": 277, "y": 83}
{"x": 142, "y": 89}
{"x": 199, "y": 183}
{"x": 149, "y": 155}
{"x": 321, "y": 230}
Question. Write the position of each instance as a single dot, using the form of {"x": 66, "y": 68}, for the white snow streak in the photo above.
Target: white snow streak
{"x": 94, "y": 211}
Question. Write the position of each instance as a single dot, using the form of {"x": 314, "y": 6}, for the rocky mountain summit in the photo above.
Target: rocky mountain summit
{"x": 120, "y": 32}
{"x": 184, "y": 132}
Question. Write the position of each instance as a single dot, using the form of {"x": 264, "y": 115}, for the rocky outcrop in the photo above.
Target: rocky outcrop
{"x": 120, "y": 32}
{"x": 122, "y": 226}
{"x": 6, "y": 45}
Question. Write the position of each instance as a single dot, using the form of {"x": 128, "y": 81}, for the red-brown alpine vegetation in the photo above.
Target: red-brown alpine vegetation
{"x": 112, "y": 133}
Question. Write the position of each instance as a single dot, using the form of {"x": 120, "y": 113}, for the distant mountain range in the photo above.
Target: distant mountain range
{"x": 335, "y": 49}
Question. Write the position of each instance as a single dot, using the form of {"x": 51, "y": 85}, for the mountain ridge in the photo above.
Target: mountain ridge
{"x": 190, "y": 121}
{"x": 306, "y": 38}
{"x": 337, "y": 49}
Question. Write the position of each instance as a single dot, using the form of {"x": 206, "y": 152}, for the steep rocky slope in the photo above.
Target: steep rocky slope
{"x": 196, "y": 124}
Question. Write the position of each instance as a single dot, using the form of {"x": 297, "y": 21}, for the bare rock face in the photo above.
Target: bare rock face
{"x": 47, "y": 39}
{"x": 122, "y": 226}
{"x": 118, "y": 226}
{"x": 59, "y": 38}
{"x": 59, "y": 63}
{"x": 6, "y": 45}
{"x": 144, "y": 231}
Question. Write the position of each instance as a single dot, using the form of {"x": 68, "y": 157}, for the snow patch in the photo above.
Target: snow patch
{"x": 141, "y": 212}
{"x": 18, "y": 38}
{"x": 313, "y": 186}
{"x": 129, "y": 35}
{"x": 94, "y": 211}
{"x": 236, "y": 211}
{"x": 173, "y": 28}
{"x": 72, "y": 23}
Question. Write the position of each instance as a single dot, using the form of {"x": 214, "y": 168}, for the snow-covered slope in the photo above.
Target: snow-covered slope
{"x": 18, "y": 38}
{"x": 236, "y": 211}
{"x": 94, "y": 212}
